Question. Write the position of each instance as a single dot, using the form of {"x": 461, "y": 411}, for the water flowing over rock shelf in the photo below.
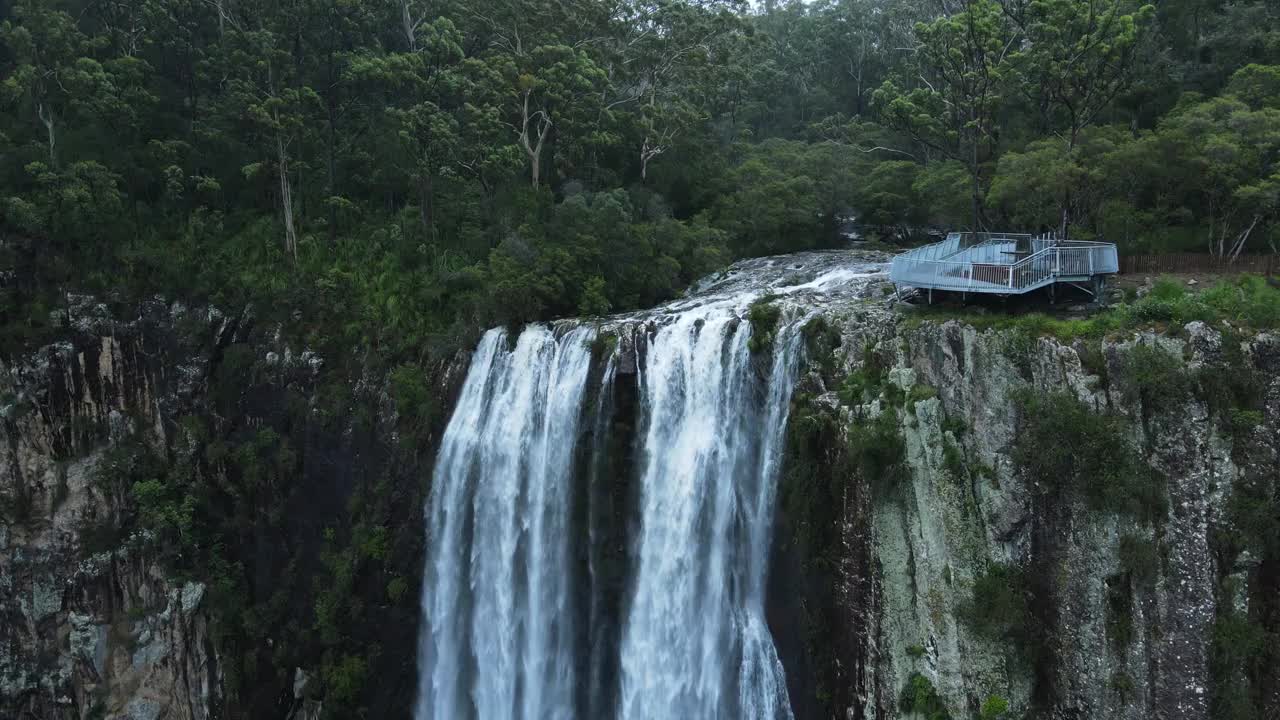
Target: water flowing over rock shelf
{"x": 516, "y": 622}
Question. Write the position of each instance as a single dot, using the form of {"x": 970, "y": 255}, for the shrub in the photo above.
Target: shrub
{"x": 1154, "y": 377}
{"x": 998, "y": 607}
{"x": 867, "y": 382}
{"x": 921, "y": 698}
{"x": 994, "y": 708}
{"x": 1068, "y": 450}
{"x": 878, "y": 450}
{"x": 820, "y": 341}
{"x": 396, "y": 588}
{"x": 415, "y": 399}
{"x": 763, "y": 315}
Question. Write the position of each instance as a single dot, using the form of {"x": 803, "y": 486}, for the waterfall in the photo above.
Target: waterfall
{"x": 695, "y": 644}
{"x": 508, "y": 630}
{"x": 499, "y": 624}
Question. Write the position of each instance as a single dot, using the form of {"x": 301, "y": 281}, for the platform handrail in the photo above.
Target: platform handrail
{"x": 948, "y": 266}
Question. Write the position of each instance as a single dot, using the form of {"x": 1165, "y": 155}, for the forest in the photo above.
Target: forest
{"x": 410, "y": 171}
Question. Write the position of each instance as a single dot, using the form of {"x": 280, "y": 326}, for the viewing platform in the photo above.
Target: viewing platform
{"x": 1005, "y": 264}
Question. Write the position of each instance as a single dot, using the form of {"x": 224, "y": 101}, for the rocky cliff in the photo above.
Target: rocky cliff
{"x": 202, "y": 520}
{"x": 93, "y": 625}
{"x": 1017, "y": 525}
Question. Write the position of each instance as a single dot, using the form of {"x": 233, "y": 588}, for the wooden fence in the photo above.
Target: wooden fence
{"x": 1198, "y": 263}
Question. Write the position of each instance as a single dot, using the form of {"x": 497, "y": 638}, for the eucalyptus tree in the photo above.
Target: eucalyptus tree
{"x": 266, "y": 92}
{"x": 950, "y": 101}
{"x": 663, "y": 62}
{"x": 1075, "y": 58}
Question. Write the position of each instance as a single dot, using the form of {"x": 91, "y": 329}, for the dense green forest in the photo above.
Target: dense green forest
{"x": 411, "y": 170}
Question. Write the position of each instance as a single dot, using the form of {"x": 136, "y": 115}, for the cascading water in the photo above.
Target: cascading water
{"x": 508, "y": 632}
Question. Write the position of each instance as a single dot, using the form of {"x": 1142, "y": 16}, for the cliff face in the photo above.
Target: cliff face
{"x": 963, "y": 578}
{"x": 199, "y": 521}
{"x": 971, "y": 523}
{"x": 92, "y": 625}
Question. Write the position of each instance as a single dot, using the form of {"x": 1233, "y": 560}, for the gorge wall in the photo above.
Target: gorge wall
{"x": 969, "y": 523}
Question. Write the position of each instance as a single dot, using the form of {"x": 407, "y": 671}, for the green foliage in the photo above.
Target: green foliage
{"x": 763, "y": 315}
{"x": 919, "y": 697}
{"x": 1237, "y": 649}
{"x": 396, "y": 588}
{"x": 878, "y": 450}
{"x": 994, "y": 708}
{"x": 867, "y": 382}
{"x": 1067, "y": 450}
{"x": 378, "y": 181}
{"x": 344, "y": 678}
{"x": 919, "y": 392}
{"x": 415, "y": 399}
{"x": 998, "y": 606}
{"x": 1246, "y": 301}
{"x": 1154, "y": 377}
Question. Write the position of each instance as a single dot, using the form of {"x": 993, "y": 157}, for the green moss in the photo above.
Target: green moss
{"x": 1122, "y": 683}
{"x": 811, "y": 497}
{"x": 1119, "y": 611}
{"x": 763, "y": 315}
{"x": 919, "y": 697}
{"x": 915, "y": 651}
{"x": 603, "y": 344}
{"x": 1140, "y": 559}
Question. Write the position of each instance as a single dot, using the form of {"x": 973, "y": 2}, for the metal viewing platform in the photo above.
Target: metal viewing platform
{"x": 1005, "y": 264}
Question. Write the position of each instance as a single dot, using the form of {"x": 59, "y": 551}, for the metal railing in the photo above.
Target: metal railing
{"x": 994, "y": 266}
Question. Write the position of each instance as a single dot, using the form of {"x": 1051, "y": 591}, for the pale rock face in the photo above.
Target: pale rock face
{"x": 930, "y": 544}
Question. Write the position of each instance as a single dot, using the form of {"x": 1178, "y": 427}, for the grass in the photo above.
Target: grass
{"x": 1246, "y": 301}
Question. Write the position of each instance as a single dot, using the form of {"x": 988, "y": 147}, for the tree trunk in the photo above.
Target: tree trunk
{"x": 1066, "y": 196}
{"x": 47, "y": 119}
{"x": 286, "y": 200}
{"x": 977, "y": 185}
{"x": 426, "y": 203}
{"x": 332, "y": 170}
